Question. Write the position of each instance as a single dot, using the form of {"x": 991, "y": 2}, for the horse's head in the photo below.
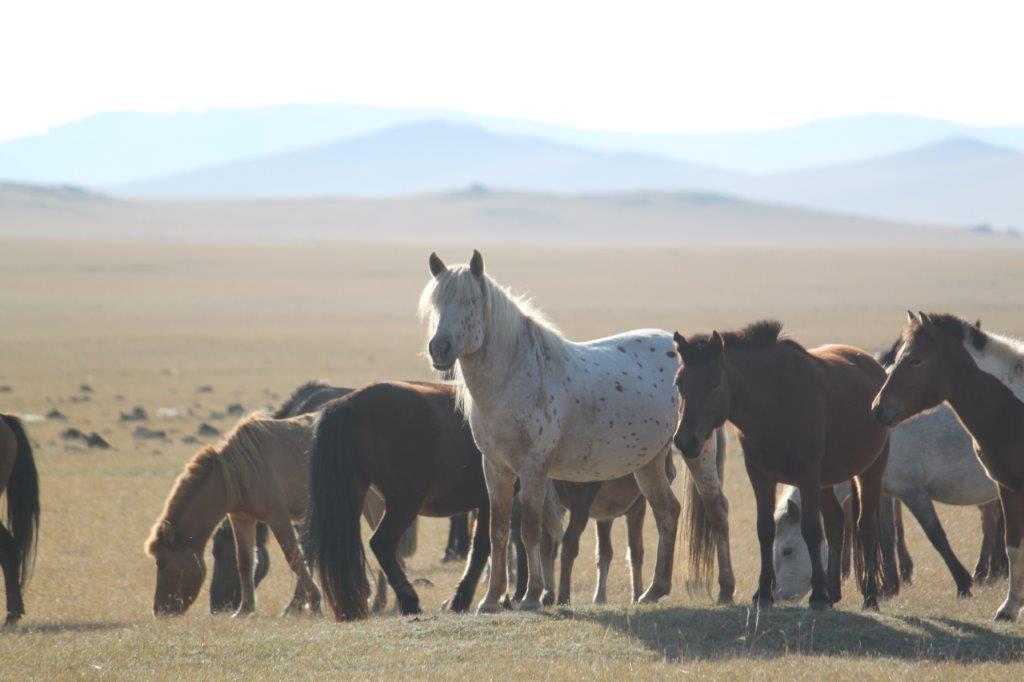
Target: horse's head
{"x": 920, "y": 377}
{"x": 454, "y": 303}
{"x": 789, "y": 555}
{"x": 180, "y": 570}
{"x": 703, "y": 391}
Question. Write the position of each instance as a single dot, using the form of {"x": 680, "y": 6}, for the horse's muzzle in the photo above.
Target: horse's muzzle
{"x": 690, "y": 446}
{"x": 885, "y": 416}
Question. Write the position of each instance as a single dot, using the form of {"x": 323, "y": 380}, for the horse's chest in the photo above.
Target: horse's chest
{"x": 996, "y": 467}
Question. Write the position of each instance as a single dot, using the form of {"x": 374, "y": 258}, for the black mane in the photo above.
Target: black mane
{"x": 298, "y": 395}
{"x": 957, "y": 327}
{"x": 761, "y": 334}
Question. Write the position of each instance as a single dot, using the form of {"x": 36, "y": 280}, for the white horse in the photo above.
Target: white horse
{"x": 541, "y": 406}
{"x": 930, "y": 460}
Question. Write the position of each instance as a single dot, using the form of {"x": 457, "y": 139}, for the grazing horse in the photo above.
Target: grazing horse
{"x": 944, "y": 358}
{"x": 802, "y": 417}
{"x": 543, "y": 407}
{"x": 20, "y": 482}
{"x": 256, "y": 474}
{"x": 226, "y": 584}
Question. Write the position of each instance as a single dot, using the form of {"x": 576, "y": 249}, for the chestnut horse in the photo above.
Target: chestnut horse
{"x": 20, "y": 481}
{"x": 803, "y": 418}
{"x": 944, "y": 358}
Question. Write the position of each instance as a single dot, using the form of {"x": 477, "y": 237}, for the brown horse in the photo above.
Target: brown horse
{"x": 258, "y": 473}
{"x": 604, "y": 502}
{"x": 408, "y": 441}
{"x": 803, "y": 418}
{"x": 20, "y": 481}
{"x": 944, "y": 358}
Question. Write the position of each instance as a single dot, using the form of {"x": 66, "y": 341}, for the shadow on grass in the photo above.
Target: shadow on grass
{"x": 62, "y": 628}
{"x": 741, "y": 632}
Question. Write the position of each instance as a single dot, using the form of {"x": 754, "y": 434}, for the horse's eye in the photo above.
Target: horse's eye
{"x": 916, "y": 362}
{"x": 787, "y": 551}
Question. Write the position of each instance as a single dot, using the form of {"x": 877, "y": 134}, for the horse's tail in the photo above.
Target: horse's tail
{"x": 700, "y": 538}
{"x": 23, "y": 500}
{"x": 859, "y": 553}
{"x": 333, "y": 538}
{"x": 407, "y": 543}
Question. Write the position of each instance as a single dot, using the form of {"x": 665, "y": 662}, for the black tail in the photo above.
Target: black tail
{"x": 702, "y": 546}
{"x": 23, "y": 500}
{"x": 333, "y": 541}
{"x": 859, "y": 551}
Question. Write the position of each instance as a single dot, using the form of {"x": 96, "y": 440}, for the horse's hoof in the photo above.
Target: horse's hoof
{"x": 651, "y": 596}
{"x": 486, "y": 607}
{"x": 964, "y": 592}
{"x": 820, "y": 604}
{"x": 1004, "y": 616}
{"x": 599, "y": 599}
{"x": 243, "y": 613}
{"x": 12, "y": 620}
{"x": 724, "y": 598}
{"x": 530, "y": 605}
{"x": 871, "y": 604}
{"x": 548, "y": 598}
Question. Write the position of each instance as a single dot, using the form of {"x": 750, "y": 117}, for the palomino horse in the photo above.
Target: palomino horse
{"x": 802, "y": 418}
{"x": 257, "y": 473}
{"x": 543, "y": 407}
{"x": 19, "y": 480}
{"x": 981, "y": 375}
{"x": 226, "y": 583}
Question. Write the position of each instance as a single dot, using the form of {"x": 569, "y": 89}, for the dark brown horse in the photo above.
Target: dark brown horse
{"x": 408, "y": 441}
{"x": 803, "y": 418}
{"x": 944, "y": 358}
{"x": 20, "y": 482}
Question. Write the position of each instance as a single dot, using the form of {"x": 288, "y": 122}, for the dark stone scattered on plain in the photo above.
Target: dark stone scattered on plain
{"x": 148, "y": 434}
{"x": 204, "y": 389}
{"x": 56, "y": 414}
{"x": 207, "y": 430}
{"x": 236, "y": 409}
{"x": 136, "y": 414}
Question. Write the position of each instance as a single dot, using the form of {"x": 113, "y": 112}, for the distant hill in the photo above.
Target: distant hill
{"x": 433, "y": 156}
{"x": 958, "y": 181}
{"x": 125, "y": 147}
{"x": 473, "y": 215}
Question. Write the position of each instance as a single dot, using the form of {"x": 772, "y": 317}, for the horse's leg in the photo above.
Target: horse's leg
{"x": 635, "y": 535}
{"x": 244, "y": 530}
{"x": 704, "y": 472}
{"x": 533, "y": 481}
{"x": 373, "y": 511}
{"x": 10, "y": 563}
{"x": 604, "y": 560}
{"x": 902, "y": 551}
{"x": 500, "y": 485}
{"x": 655, "y": 486}
{"x": 810, "y": 528}
{"x": 921, "y": 506}
{"x": 869, "y": 487}
{"x": 988, "y": 531}
{"x": 475, "y": 564}
{"x": 835, "y": 521}
{"x": 384, "y": 543}
{"x": 848, "y": 533}
{"x": 1013, "y": 517}
{"x": 284, "y": 533}
{"x": 519, "y": 567}
{"x": 764, "y": 499}
{"x": 1000, "y": 568}
{"x": 887, "y": 545}
{"x": 549, "y": 543}
{"x": 577, "y": 497}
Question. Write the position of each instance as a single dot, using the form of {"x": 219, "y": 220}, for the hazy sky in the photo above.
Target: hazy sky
{"x": 628, "y": 65}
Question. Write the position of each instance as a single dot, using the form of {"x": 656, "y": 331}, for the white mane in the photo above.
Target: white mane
{"x": 512, "y": 323}
{"x": 1003, "y": 358}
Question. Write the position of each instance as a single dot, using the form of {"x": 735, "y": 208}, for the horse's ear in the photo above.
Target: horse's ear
{"x": 167, "y": 532}
{"x": 792, "y": 510}
{"x": 716, "y": 344}
{"x": 911, "y": 317}
{"x": 681, "y": 342}
{"x": 437, "y": 265}
{"x": 925, "y": 320}
{"x": 476, "y": 264}
{"x": 977, "y": 324}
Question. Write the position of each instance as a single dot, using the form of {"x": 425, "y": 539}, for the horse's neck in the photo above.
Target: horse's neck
{"x": 752, "y": 393}
{"x": 205, "y": 510}
{"x": 487, "y": 374}
{"x": 983, "y": 403}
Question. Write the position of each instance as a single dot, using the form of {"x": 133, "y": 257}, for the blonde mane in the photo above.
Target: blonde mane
{"x": 512, "y": 323}
{"x": 238, "y": 459}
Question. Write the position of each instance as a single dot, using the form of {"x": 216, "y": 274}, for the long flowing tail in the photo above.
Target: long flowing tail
{"x": 333, "y": 534}
{"x": 23, "y": 500}
{"x": 700, "y": 538}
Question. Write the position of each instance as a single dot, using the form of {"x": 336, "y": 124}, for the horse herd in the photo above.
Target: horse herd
{"x": 530, "y": 426}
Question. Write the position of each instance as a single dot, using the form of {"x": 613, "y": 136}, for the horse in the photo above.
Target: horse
{"x": 256, "y": 473}
{"x": 541, "y": 406}
{"x": 802, "y": 417}
{"x": 930, "y": 459}
{"x": 20, "y": 481}
{"x": 945, "y": 359}
{"x": 604, "y": 502}
{"x": 407, "y": 440}
{"x": 226, "y": 583}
